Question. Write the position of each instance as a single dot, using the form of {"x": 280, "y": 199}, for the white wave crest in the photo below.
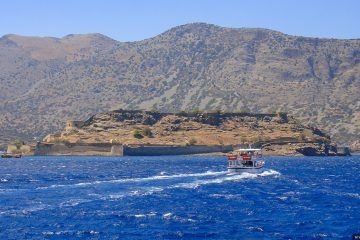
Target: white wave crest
{"x": 353, "y": 195}
{"x": 269, "y": 173}
{"x": 167, "y": 215}
{"x": 229, "y": 177}
{"x": 69, "y": 232}
{"x": 144, "y": 215}
{"x": 226, "y": 196}
{"x": 73, "y": 202}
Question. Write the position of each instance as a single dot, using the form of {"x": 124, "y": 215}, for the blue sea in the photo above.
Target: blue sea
{"x": 178, "y": 197}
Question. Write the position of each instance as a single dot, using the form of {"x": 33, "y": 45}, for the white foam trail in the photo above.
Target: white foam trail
{"x": 167, "y": 215}
{"x": 232, "y": 177}
{"x": 190, "y": 185}
{"x": 198, "y": 183}
{"x": 130, "y": 180}
{"x": 69, "y": 232}
{"x": 270, "y": 173}
{"x": 138, "y": 192}
{"x": 354, "y": 195}
{"x": 228, "y": 177}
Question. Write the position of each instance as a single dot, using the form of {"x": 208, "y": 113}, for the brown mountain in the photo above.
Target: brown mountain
{"x": 45, "y": 81}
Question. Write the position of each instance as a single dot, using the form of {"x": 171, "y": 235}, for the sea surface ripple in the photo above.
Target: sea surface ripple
{"x": 178, "y": 197}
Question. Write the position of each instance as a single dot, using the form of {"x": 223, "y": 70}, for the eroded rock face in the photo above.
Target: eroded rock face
{"x": 355, "y": 146}
{"x": 211, "y": 119}
{"x": 124, "y": 116}
{"x": 315, "y": 150}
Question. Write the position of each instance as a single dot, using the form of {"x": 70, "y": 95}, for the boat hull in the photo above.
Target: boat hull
{"x": 245, "y": 169}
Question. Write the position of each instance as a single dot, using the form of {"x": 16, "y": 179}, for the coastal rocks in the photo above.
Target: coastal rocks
{"x": 149, "y": 120}
{"x": 314, "y": 150}
{"x": 296, "y": 148}
{"x": 317, "y": 131}
{"x": 51, "y": 137}
{"x": 208, "y": 118}
{"x": 172, "y": 128}
{"x": 129, "y": 117}
{"x": 343, "y": 151}
{"x": 173, "y": 120}
{"x": 254, "y": 125}
{"x": 355, "y": 146}
{"x": 310, "y": 151}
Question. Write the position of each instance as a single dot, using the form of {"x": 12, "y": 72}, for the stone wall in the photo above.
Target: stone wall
{"x": 108, "y": 149}
{"x": 157, "y": 150}
{"x": 90, "y": 149}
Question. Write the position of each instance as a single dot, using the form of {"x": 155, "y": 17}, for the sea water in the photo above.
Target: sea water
{"x": 178, "y": 197}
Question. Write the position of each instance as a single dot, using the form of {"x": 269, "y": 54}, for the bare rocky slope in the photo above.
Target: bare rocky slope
{"x": 45, "y": 81}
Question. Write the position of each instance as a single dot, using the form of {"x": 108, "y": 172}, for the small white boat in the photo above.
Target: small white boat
{"x": 245, "y": 159}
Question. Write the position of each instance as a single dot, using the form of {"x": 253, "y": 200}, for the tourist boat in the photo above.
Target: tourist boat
{"x": 245, "y": 159}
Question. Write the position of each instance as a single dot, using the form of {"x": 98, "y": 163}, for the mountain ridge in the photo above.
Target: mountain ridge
{"x": 201, "y": 24}
{"x": 192, "y": 66}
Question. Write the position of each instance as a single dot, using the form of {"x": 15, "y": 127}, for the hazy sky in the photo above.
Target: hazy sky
{"x": 129, "y": 20}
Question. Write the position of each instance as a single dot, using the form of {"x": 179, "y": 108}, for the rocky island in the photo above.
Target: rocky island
{"x": 136, "y": 132}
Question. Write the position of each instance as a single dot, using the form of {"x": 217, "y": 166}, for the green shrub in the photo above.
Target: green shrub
{"x": 283, "y": 115}
{"x": 137, "y": 134}
{"x": 18, "y": 143}
{"x": 302, "y": 136}
{"x": 114, "y": 141}
{"x": 243, "y": 139}
{"x": 154, "y": 110}
{"x": 147, "y": 132}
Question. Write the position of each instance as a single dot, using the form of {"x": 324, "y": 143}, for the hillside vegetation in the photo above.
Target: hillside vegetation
{"x": 45, "y": 81}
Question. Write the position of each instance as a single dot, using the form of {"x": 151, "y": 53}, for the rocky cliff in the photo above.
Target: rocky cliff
{"x": 194, "y": 66}
{"x": 281, "y": 134}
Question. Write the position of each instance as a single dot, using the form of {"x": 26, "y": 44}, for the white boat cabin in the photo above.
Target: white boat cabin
{"x": 246, "y": 158}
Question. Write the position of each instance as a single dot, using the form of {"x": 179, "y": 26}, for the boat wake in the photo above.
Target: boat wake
{"x": 107, "y": 191}
{"x": 136, "y": 180}
{"x": 193, "y": 183}
{"x": 225, "y": 176}
{"x": 228, "y": 177}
